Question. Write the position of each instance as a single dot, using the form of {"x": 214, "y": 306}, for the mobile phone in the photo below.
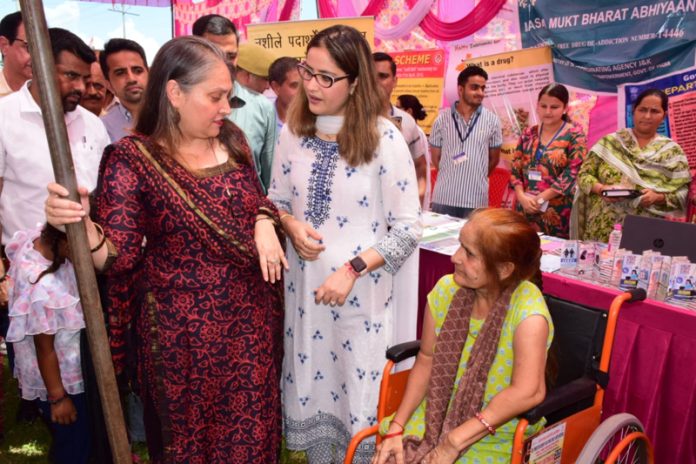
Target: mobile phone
{"x": 621, "y": 193}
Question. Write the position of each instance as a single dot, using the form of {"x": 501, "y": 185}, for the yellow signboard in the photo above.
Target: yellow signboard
{"x": 421, "y": 73}
{"x": 290, "y": 38}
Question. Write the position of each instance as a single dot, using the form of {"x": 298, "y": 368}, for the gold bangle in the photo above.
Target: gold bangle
{"x": 284, "y": 215}
{"x": 264, "y": 218}
{"x": 100, "y": 230}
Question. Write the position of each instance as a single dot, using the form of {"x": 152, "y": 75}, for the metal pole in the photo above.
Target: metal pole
{"x": 44, "y": 71}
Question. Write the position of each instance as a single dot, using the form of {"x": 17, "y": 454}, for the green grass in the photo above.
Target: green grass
{"x": 29, "y": 443}
{"x": 23, "y": 443}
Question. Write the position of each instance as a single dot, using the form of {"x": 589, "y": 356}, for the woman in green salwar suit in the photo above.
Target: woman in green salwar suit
{"x": 634, "y": 158}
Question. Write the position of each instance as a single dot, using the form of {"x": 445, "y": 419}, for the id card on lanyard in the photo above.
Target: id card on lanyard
{"x": 462, "y": 156}
{"x": 534, "y": 174}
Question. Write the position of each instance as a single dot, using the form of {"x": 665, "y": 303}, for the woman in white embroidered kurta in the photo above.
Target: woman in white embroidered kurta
{"x": 338, "y": 324}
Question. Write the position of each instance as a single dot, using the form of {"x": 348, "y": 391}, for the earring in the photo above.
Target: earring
{"x": 351, "y": 91}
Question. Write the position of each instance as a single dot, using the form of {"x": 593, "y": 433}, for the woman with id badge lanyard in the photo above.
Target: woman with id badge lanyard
{"x": 546, "y": 164}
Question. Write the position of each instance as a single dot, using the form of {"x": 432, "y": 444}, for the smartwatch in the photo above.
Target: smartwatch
{"x": 359, "y": 265}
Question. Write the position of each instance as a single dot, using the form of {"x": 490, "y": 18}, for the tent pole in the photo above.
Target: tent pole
{"x": 44, "y": 70}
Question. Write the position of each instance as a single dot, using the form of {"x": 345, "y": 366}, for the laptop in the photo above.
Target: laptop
{"x": 668, "y": 237}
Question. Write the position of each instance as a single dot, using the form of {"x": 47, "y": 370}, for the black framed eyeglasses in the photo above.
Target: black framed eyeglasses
{"x": 324, "y": 80}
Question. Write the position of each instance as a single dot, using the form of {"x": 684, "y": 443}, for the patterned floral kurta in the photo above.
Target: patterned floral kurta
{"x": 618, "y": 159}
{"x": 208, "y": 328}
{"x": 334, "y": 355}
{"x": 558, "y": 164}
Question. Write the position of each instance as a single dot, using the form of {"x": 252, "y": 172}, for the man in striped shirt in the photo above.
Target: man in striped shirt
{"x": 465, "y": 146}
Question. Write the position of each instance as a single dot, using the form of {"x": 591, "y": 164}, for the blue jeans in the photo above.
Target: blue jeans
{"x": 454, "y": 211}
{"x": 70, "y": 442}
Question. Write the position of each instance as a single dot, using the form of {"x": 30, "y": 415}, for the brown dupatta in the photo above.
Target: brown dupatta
{"x": 240, "y": 253}
{"x": 472, "y": 385}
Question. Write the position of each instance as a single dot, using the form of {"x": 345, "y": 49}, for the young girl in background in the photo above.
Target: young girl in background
{"x": 45, "y": 323}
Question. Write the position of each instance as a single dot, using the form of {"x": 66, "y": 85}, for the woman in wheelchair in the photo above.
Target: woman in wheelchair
{"x": 486, "y": 333}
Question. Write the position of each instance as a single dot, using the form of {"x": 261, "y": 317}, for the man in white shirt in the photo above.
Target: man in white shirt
{"x": 25, "y": 161}
{"x": 16, "y": 61}
{"x": 386, "y": 76}
{"x": 465, "y": 146}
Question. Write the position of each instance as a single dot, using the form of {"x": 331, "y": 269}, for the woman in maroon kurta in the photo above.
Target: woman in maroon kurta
{"x": 208, "y": 323}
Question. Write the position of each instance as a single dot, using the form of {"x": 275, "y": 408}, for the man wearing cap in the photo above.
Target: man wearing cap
{"x": 252, "y": 111}
{"x": 253, "y": 65}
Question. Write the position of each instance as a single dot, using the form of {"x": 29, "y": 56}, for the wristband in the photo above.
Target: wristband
{"x": 394, "y": 422}
{"x": 485, "y": 423}
{"x": 100, "y": 231}
{"x": 392, "y": 435}
{"x": 352, "y": 271}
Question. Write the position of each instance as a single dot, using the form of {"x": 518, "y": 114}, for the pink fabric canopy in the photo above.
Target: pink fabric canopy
{"x": 159, "y": 3}
{"x": 476, "y": 19}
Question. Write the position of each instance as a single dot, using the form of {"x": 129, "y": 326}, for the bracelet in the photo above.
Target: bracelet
{"x": 54, "y": 401}
{"x": 100, "y": 230}
{"x": 394, "y": 422}
{"x": 352, "y": 272}
{"x": 284, "y": 215}
{"x": 485, "y": 423}
{"x": 392, "y": 435}
{"x": 264, "y": 218}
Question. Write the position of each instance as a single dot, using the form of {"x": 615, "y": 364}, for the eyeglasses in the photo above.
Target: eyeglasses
{"x": 324, "y": 80}
{"x": 24, "y": 43}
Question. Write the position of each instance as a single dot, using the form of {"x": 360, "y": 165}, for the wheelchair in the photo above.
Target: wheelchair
{"x": 573, "y": 404}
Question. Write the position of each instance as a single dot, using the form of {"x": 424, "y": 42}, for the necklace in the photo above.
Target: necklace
{"x": 326, "y": 137}
{"x": 217, "y": 165}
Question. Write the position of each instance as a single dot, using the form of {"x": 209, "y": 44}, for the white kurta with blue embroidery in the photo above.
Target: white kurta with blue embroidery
{"x": 334, "y": 355}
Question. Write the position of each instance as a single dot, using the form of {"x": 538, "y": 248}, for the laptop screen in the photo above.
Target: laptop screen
{"x": 668, "y": 237}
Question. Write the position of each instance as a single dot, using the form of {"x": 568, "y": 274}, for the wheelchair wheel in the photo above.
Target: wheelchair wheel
{"x": 618, "y": 439}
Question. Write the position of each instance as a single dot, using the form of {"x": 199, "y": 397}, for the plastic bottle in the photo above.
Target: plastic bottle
{"x": 615, "y": 238}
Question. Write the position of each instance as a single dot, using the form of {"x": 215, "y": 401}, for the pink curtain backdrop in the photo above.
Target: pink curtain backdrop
{"x": 602, "y": 119}
{"x": 286, "y": 12}
{"x": 431, "y": 24}
{"x": 350, "y": 8}
{"x": 159, "y": 3}
{"x": 240, "y": 12}
{"x": 472, "y": 22}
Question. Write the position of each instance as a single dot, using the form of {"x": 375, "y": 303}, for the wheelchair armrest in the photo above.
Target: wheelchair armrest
{"x": 398, "y": 353}
{"x": 563, "y": 396}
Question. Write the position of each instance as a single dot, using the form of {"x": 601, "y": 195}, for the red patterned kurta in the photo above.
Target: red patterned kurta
{"x": 208, "y": 328}
{"x": 558, "y": 163}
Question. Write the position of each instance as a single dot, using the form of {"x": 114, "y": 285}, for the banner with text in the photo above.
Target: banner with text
{"x": 680, "y": 123}
{"x": 421, "y": 74}
{"x": 514, "y": 80}
{"x": 290, "y": 38}
{"x": 598, "y": 45}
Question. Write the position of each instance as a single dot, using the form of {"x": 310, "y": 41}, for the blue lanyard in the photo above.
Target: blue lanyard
{"x": 542, "y": 148}
{"x": 471, "y": 126}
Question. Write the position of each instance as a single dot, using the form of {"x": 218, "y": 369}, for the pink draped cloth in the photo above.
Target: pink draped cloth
{"x": 431, "y": 24}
